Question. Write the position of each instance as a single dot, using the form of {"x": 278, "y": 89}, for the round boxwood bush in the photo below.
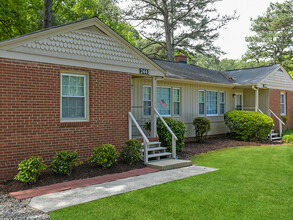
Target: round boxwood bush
{"x": 130, "y": 153}
{"x": 63, "y": 162}
{"x": 178, "y": 128}
{"x": 288, "y": 138}
{"x": 104, "y": 156}
{"x": 248, "y": 125}
{"x": 201, "y": 127}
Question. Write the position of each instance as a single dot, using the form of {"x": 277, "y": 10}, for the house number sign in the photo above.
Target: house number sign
{"x": 144, "y": 71}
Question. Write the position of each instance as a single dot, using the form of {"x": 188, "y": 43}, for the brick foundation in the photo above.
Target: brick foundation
{"x": 30, "y": 113}
{"x": 275, "y": 106}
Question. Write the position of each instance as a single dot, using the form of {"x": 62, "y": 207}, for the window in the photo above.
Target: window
{"x": 212, "y": 103}
{"x": 222, "y": 103}
{"x": 73, "y": 96}
{"x": 164, "y": 101}
{"x": 147, "y": 100}
{"x": 201, "y": 102}
{"x": 283, "y": 103}
{"x": 176, "y": 101}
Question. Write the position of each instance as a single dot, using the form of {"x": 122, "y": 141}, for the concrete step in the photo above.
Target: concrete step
{"x": 151, "y": 139}
{"x": 159, "y": 155}
{"x": 154, "y": 149}
{"x": 276, "y": 138}
{"x": 169, "y": 164}
{"x": 275, "y": 134}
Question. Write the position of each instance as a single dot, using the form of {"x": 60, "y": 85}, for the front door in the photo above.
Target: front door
{"x": 238, "y": 102}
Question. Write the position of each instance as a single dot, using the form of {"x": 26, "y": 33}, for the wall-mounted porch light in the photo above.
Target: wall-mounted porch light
{"x": 234, "y": 95}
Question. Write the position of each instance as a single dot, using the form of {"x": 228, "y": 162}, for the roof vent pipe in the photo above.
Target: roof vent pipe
{"x": 180, "y": 58}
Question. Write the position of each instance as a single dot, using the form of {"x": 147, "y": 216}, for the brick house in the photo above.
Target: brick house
{"x": 80, "y": 85}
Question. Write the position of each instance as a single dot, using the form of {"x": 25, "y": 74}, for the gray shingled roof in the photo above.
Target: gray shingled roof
{"x": 191, "y": 72}
{"x": 251, "y": 75}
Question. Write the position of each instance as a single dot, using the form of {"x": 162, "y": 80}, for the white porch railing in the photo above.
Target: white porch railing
{"x": 281, "y": 123}
{"x": 174, "y": 138}
{"x": 145, "y": 139}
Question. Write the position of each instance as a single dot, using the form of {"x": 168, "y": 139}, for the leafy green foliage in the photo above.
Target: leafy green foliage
{"x": 287, "y": 132}
{"x": 63, "y": 162}
{"x": 30, "y": 169}
{"x": 285, "y": 119}
{"x": 104, "y": 156}
{"x": 18, "y": 17}
{"x": 201, "y": 127}
{"x": 273, "y": 33}
{"x": 178, "y": 128}
{"x": 247, "y": 125}
{"x": 288, "y": 138}
{"x": 130, "y": 153}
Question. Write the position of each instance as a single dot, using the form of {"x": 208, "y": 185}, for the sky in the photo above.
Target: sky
{"x": 232, "y": 38}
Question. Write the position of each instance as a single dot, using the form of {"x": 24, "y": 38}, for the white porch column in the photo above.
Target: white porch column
{"x": 154, "y": 105}
{"x": 256, "y": 99}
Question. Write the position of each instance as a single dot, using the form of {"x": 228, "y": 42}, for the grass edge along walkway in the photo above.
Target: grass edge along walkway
{"x": 252, "y": 183}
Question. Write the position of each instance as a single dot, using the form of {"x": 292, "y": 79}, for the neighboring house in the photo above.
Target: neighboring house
{"x": 72, "y": 87}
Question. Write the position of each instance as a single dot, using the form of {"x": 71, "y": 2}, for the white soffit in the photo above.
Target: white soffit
{"x": 89, "y": 45}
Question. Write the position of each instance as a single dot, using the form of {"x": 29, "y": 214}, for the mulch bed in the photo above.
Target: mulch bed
{"x": 81, "y": 172}
{"x": 87, "y": 170}
{"x": 211, "y": 144}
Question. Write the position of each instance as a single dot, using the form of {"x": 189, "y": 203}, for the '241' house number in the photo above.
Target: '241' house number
{"x": 144, "y": 71}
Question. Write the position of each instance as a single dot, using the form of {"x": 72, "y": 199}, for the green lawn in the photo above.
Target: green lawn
{"x": 252, "y": 183}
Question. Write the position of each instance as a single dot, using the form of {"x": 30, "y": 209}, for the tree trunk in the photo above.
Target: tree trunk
{"x": 47, "y": 11}
{"x": 168, "y": 33}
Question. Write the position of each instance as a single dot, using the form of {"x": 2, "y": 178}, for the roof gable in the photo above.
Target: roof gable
{"x": 278, "y": 79}
{"x": 90, "y": 42}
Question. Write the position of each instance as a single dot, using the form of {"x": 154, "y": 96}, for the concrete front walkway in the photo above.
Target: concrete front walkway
{"x": 59, "y": 200}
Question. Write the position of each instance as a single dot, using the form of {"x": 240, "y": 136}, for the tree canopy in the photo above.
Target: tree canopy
{"x": 18, "y": 17}
{"x": 273, "y": 36}
{"x": 173, "y": 24}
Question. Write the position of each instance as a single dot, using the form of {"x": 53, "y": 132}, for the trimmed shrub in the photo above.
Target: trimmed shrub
{"x": 287, "y": 132}
{"x": 131, "y": 152}
{"x": 63, "y": 162}
{"x": 247, "y": 125}
{"x": 288, "y": 138}
{"x": 178, "y": 128}
{"x": 104, "y": 156}
{"x": 30, "y": 169}
{"x": 201, "y": 127}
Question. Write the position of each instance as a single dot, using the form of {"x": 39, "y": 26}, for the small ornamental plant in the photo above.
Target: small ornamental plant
{"x": 30, "y": 169}
{"x": 288, "y": 138}
{"x": 131, "y": 152}
{"x": 104, "y": 156}
{"x": 63, "y": 162}
{"x": 201, "y": 127}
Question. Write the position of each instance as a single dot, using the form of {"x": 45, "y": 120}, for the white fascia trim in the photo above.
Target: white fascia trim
{"x": 167, "y": 79}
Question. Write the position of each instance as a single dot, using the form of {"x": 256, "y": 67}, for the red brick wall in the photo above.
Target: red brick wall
{"x": 30, "y": 113}
{"x": 275, "y": 106}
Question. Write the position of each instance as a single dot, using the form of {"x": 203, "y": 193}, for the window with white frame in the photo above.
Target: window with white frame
{"x": 73, "y": 96}
{"x": 222, "y": 103}
{"x": 283, "y": 103}
{"x": 147, "y": 100}
{"x": 211, "y": 103}
{"x": 176, "y": 101}
{"x": 201, "y": 102}
{"x": 164, "y": 101}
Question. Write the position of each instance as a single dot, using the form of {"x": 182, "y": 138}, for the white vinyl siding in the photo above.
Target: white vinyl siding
{"x": 73, "y": 96}
{"x": 211, "y": 103}
{"x": 283, "y": 103}
{"x": 147, "y": 100}
{"x": 201, "y": 102}
{"x": 176, "y": 101}
{"x": 222, "y": 103}
{"x": 164, "y": 101}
